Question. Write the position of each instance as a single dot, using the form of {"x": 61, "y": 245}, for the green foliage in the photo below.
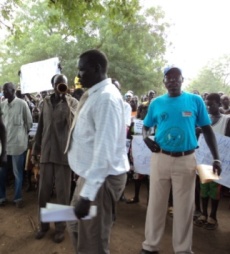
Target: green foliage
{"x": 214, "y": 77}
{"x": 134, "y": 43}
{"x": 6, "y": 8}
{"x": 135, "y": 52}
{"x": 80, "y": 12}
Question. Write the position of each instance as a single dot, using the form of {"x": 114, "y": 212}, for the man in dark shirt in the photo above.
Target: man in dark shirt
{"x": 50, "y": 141}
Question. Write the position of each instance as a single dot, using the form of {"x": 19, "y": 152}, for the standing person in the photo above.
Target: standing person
{"x": 18, "y": 121}
{"x": 175, "y": 116}
{"x": 128, "y": 96}
{"x": 53, "y": 127}
{"x": 127, "y": 110}
{"x": 127, "y": 106}
{"x": 134, "y": 105}
{"x": 140, "y": 178}
{"x": 212, "y": 191}
{"x": 225, "y": 104}
{"x": 143, "y": 107}
{"x": 97, "y": 153}
{"x": 43, "y": 95}
{"x": 3, "y": 156}
{"x": 77, "y": 93}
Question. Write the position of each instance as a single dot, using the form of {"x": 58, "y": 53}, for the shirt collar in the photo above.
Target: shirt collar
{"x": 99, "y": 85}
{"x": 12, "y": 102}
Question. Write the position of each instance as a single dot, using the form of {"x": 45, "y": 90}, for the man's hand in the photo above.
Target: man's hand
{"x": 152, "y": 145}
{"x": 216, "y": 167}
{"x": 82, "y": 207}
{"x": 3, "y": 159}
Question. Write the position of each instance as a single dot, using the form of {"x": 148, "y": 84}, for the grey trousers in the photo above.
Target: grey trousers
{"x": 54, "y": 175}
{"x": 93, "y": 236}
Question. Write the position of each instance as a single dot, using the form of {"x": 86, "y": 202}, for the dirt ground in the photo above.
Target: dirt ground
{"x": 17, "y": 229}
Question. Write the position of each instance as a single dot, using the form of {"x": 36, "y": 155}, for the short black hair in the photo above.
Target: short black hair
{"x": 52, "y": 79}
{"x": 96, "y": 57}
{"x": 116, "y": 83}
{"x": 61, "y": 77}
{"x": 78, "y": 91}
{"x": 11, "y": 85}
{"x": 151, "y": 91}
{"x": 214, "y": 97}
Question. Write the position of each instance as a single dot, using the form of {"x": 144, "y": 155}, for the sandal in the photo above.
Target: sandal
{"x": 196, "y": 215}
{"x": 200, "y": 221}
{"x": 132, "y": 201}
{"x": 211, "y": 224}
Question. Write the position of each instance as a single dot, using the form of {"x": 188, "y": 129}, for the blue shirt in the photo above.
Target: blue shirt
{"x": 175, "y": 119}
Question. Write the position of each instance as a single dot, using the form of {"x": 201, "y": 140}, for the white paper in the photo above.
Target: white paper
{"x": 141, "y": 155}
{"x": 204, "y": 156}
{"x": 206, "y": 174}
{"x": 33, "y": 130}
{"x": 56, "y": 212}
{"x": 138, "y": 125}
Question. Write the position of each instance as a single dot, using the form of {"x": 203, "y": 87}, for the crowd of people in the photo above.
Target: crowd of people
{"x": 65, "y": 144}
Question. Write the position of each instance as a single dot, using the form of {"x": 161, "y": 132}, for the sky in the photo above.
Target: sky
{"x": 199, "y": 32}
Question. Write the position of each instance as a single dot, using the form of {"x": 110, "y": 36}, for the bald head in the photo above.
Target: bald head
{"x": 9, "y": 85}
{"x": 60, "y": 79}
{"x": 9, "y": 90}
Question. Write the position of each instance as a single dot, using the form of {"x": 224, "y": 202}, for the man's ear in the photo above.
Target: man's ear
{"x": 98, "y": 67}
{"x": 164, "y": 81}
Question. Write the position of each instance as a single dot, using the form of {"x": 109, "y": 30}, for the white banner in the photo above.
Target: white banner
{"x": 36, "y": 77}
{"x": 204, "y": 156}
{"x": 141, "y": 155}
{"x": 138, "y": 125}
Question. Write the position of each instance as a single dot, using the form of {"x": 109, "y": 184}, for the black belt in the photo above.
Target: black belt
{"x": 177, "y": 154}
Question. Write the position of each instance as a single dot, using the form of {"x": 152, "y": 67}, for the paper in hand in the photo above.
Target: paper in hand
{"x": 55, "y": 212}
{"x": 206, "y": 174}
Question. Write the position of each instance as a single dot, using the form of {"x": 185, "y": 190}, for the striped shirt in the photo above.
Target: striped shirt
{"x": 98, "y": 144}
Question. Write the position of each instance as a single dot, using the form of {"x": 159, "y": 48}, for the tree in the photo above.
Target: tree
{"x": 221, "y": 69}
{"x": 78, "y": 12}
{"x": 39, "y": 40}
{"x": 91, "y": 10}
{"x": 213, "y": 77}
{"x": 6, "y": 10}
{"x": 135, "y": 50}
{"x": 205, "y": 82}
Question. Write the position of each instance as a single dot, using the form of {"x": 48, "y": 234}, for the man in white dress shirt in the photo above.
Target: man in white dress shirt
{"x": 97, "y": 153}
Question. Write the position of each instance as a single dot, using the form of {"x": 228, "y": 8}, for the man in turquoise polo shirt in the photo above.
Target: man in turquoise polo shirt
{"x": 175, "y": 116}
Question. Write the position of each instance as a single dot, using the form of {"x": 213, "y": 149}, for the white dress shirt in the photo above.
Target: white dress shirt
{"x": 98, "y": 143}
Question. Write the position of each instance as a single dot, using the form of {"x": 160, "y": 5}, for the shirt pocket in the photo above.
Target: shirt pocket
{"x": 17, "y": 120}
